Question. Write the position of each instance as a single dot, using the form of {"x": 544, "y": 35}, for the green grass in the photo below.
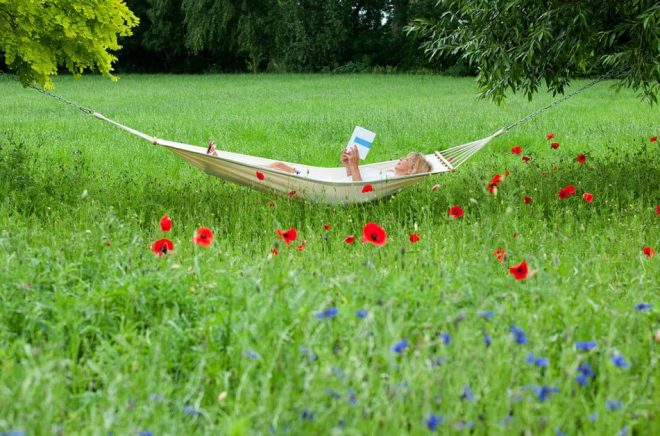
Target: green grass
{"x": 97, "y": 334}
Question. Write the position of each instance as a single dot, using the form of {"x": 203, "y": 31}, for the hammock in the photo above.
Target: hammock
{"x": 316, "y": 184}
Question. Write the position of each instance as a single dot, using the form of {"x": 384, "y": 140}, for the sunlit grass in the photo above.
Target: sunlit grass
{"x": 99, "y": 335}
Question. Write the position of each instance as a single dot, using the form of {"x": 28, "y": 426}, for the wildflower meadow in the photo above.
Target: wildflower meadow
{"x": 517, "y": 295}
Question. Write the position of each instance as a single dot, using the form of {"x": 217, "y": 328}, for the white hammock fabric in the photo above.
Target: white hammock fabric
{"x": 316, "y": 184}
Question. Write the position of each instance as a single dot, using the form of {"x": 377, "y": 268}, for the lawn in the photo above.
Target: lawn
{"x": 98, "y": 334}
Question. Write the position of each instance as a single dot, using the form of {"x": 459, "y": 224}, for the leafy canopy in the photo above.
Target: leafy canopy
{"x": 515, "y": 44}
{"x": 38, "y": 36}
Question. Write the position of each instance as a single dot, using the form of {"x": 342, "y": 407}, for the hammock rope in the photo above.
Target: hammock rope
{"x": 315, "y": 183}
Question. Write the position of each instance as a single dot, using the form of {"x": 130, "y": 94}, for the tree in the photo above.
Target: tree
{"x": 515, "y": 44}
{"x": 38, "y": 36}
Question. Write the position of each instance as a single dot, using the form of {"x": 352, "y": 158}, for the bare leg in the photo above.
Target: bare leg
{"x": 282, "y": 167}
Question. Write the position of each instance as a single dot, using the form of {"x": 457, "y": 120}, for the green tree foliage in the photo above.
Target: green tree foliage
{"x": 516, "y": 44}
{"x": 274, "y": 35}
{"x": 38, "y": 36}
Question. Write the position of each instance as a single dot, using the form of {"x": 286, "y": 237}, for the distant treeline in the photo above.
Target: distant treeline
{"x": 278, "y": 36}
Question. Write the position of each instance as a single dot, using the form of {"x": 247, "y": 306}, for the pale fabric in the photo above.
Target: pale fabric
{"x": 318, "y": 184}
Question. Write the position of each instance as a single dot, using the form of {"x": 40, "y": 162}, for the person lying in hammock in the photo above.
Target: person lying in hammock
{"x": 412, "y": 163}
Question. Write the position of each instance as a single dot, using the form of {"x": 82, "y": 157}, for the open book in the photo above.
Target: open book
{"x": 362, "y": 138}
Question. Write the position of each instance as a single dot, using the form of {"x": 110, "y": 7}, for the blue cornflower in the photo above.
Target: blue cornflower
{"x": 337, "y": 371}
{"x": 400, "y": 346}
{"x": 537, "y": 360}
{"x": 530, "y": 358}
{"x": 307, "y": 415}
{"x": 309, "y": 353}
{"x": 594, "y": 417}
{"x": 361, "y": 313}
{"x": 154, "y": 397}
{"x": 618, "y": 360}
{"x": 433, "y": 421}
{"x": 613, "y": 404}
{"x": 585, "y": 346}
{"x": 584, "y": 374}
{"x": 336, "y": 395}
{"x": 485, "y": 314}
{"x": 585, "y": 369}
{"x": 438, "y": 361}
{"x": 543, "y": 392}
{"x": 558, "y": 432}
{"x": 352, "y": 397}
{"x": 643, "y": 307}
{"x": 327, "y": 313}
{"x": 487, "y": 340}
{"x": 191, "y": 411}
{"x": 581, "y": 379}
{"x": 446, "y": 339}
{"x": 467, "y": 394}
{"x": 146, "y": 433}
{"x": 13, "y": 433}
{"x": 518, "y": 335}
{"x": 623, "y": 431}
{"x": 541, "y": 362}
{"x": 252, "y": 355}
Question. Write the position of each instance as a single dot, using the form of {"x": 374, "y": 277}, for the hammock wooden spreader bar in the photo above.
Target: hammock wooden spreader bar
{"x": 317, "y": 184}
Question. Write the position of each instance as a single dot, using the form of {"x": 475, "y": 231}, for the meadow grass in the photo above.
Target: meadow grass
{"x": 99, "y": 335}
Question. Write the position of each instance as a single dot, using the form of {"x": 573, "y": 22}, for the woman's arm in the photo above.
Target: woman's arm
{"x": 344, "y": 161}
{"x": 353, "y": 167}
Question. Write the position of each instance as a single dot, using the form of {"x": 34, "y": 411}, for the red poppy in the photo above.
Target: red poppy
{"x": 657, "y": 210}
{"x": 519, "y": 271}
{"x": 275, "y": 251}
{"x": 506, "y": 173}
{"x": 349, "y": 239}
{"x": 554, "y": 145}
{"x": 566, "y": 192}
{"x": 326, "y": 227}
{"x": 527, "y": 199}
{"x": 588, "y": 197}
{"x": 549, "y": 136}
{"x": 516, "y": 150}
{"x": 648, "y": 251}
{"x": 526, "y": 159}
{"x": 271, "y": 203}
{"x": 435, "y": 187}
{"x": 203, "y": 236}
{"x": 492, "y": 185}
{"x": 301, "y": 246}
{"x": 162, "y": 246}
{"x": 374, "y": 234}
{"x": 499, "y": 254}
{"x": 165, "y": 223}
{"x": 260, "y": 175}
{"x": 367, "y": 188}
{"x": 456, "y": 211}
{"x": 292, "y": 194}
{"x": 653, "y": 139}
{"x": 581, "y": 158}
{"x": 288, "y": 235}
{"x": 414, "y": 237}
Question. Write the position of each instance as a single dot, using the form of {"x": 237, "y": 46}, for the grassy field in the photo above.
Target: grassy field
{"x": 98, "y": 335}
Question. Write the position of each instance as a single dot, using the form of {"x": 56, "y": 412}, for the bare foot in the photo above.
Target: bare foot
{"x": 211, "y": 150}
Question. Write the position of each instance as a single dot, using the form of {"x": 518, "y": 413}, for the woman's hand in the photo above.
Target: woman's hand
{"x": 344, "y": 161}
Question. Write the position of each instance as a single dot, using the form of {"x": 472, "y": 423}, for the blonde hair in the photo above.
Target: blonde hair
{"x": 419, "y": 163}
